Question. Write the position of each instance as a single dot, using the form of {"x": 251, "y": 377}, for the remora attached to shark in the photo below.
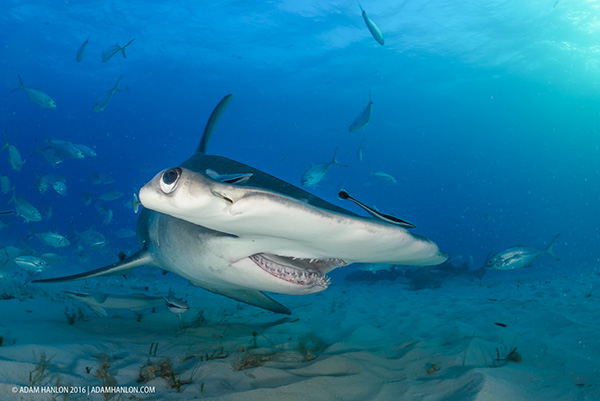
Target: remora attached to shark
{"x": 238, "y": 238}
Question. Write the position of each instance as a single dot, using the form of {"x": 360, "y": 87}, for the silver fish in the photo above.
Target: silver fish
{"x": 25, "y": 209}
{"x": 86, "y": 150}
{"x": 363, "y": 118}
{"x": 375, "y": 32}
{"x": 53, "y": 239}
{"x": 14, "y": 156}
{"x": 114, "y": 49}
{"x": 519, "y": 256}
{"x": 31, "y": 263}
{"x": 4, "y": 184}
{"x": 103, "y": 101}
{"x": 81, "y": 50}
{"x": 384, "y": 177}
{"x": 110, "y": 196}
{"x": 64, "y": 148}
{"x": 37, "y": 96}
{"x": 317, "y": 172}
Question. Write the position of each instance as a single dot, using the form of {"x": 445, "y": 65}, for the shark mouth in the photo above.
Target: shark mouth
{"x": 305, "y": 272}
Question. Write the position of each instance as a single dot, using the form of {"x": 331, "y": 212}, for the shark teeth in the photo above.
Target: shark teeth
{"x": 307, "y": 273}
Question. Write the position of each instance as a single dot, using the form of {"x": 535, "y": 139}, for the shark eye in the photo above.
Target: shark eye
{"x": 169, "y": 180}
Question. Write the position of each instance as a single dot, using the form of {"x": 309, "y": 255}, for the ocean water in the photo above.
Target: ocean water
{"x": 486, "y": 115}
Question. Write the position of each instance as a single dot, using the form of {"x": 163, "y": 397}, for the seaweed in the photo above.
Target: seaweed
{"x": 41, "y": 366}
{"x": 105, "y": 376}
{"x": 163, "y": 368}
{"x": 252, "y": 360}
{"x": 512, "y": 356}
{"x": 310, "y": 345}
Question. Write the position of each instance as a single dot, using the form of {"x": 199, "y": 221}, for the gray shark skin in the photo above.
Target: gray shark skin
{"x": 238, "y": 258}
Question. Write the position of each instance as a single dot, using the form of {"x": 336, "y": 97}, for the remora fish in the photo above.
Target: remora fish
{"x": 37, "y": 96}
{"x": 376, "y": 213}
{"x": 82, "y": 49}
{"x": 519, "y": 256}
{"x": 363, "y": 118}
{"x": 372, "y": 27}
{"x": 265, "y": 235}
{"x": 103, "y": 101}
{"x": 114, "y": 49}
{"x": 99, "y": 302}
{"x": 317, "y": 172}
{"x": 14, "y": 156}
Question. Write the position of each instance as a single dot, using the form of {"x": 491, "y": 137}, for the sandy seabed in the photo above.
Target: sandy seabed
{"x": 490, "y": 339}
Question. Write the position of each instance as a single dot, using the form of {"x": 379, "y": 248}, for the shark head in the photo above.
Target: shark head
{"x": 243, "y": 254}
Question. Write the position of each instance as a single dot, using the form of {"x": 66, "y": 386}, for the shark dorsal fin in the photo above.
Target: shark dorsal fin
{"x": 212, "y": 123}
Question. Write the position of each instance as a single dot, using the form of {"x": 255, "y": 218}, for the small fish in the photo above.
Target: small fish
{"x": 175, "y": 305}
{"x": 31, "y": 263}
{"x": 53, "y": 239}
{"x": 60, "y": 187}
{"x": 555, "y": 4}
{"x": 4, "y": 184}
{"x": 52, "y": 259}
{"x": 359, "y": 153}
{"x": 14, "y": 156}
{"x": 111, "y": 51}
{"x": 124, "y": 233}
{"x": 375, "y": 32}
{"x": 100, "y": 178}
{"x": 87, "y": 199}
{"x": 64, "y": 148}
{"x": 3, "y": 212}
{"x": 519, "y": 257}
{"x": 110, "y": 196}
{"x": 384, "y": 177}
{"x": 108, "y": 218}
{"x": 82, "y": 50}
{"x": 376, "y": 213}
{"x": 317, "y": 172}
{"x": 103, "y": 101}
{"x": 37, "y": 96}
{"x": 363, "y": 118}
{"x": 87, "y": 151}
{"x": 92, "y": 238}
{"x": 25, "y": 209}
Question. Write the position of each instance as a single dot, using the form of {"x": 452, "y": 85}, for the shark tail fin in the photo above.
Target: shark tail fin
{"x": 21, "y": 86}
{"x": 127, "y": 265}
{"x": 549, "y": 249}
{"x": 212, "y": 123}
{"x": 125, "y": 47}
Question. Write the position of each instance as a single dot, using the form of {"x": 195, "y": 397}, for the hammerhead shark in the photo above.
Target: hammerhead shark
{"x": 237, "y": 231}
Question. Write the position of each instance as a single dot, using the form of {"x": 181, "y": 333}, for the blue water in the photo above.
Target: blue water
{"x": 487, "y": 116}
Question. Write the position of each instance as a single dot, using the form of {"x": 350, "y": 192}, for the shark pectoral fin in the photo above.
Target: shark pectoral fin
{"x": 140, "y": 258}
{"x": 254, "y": 297}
